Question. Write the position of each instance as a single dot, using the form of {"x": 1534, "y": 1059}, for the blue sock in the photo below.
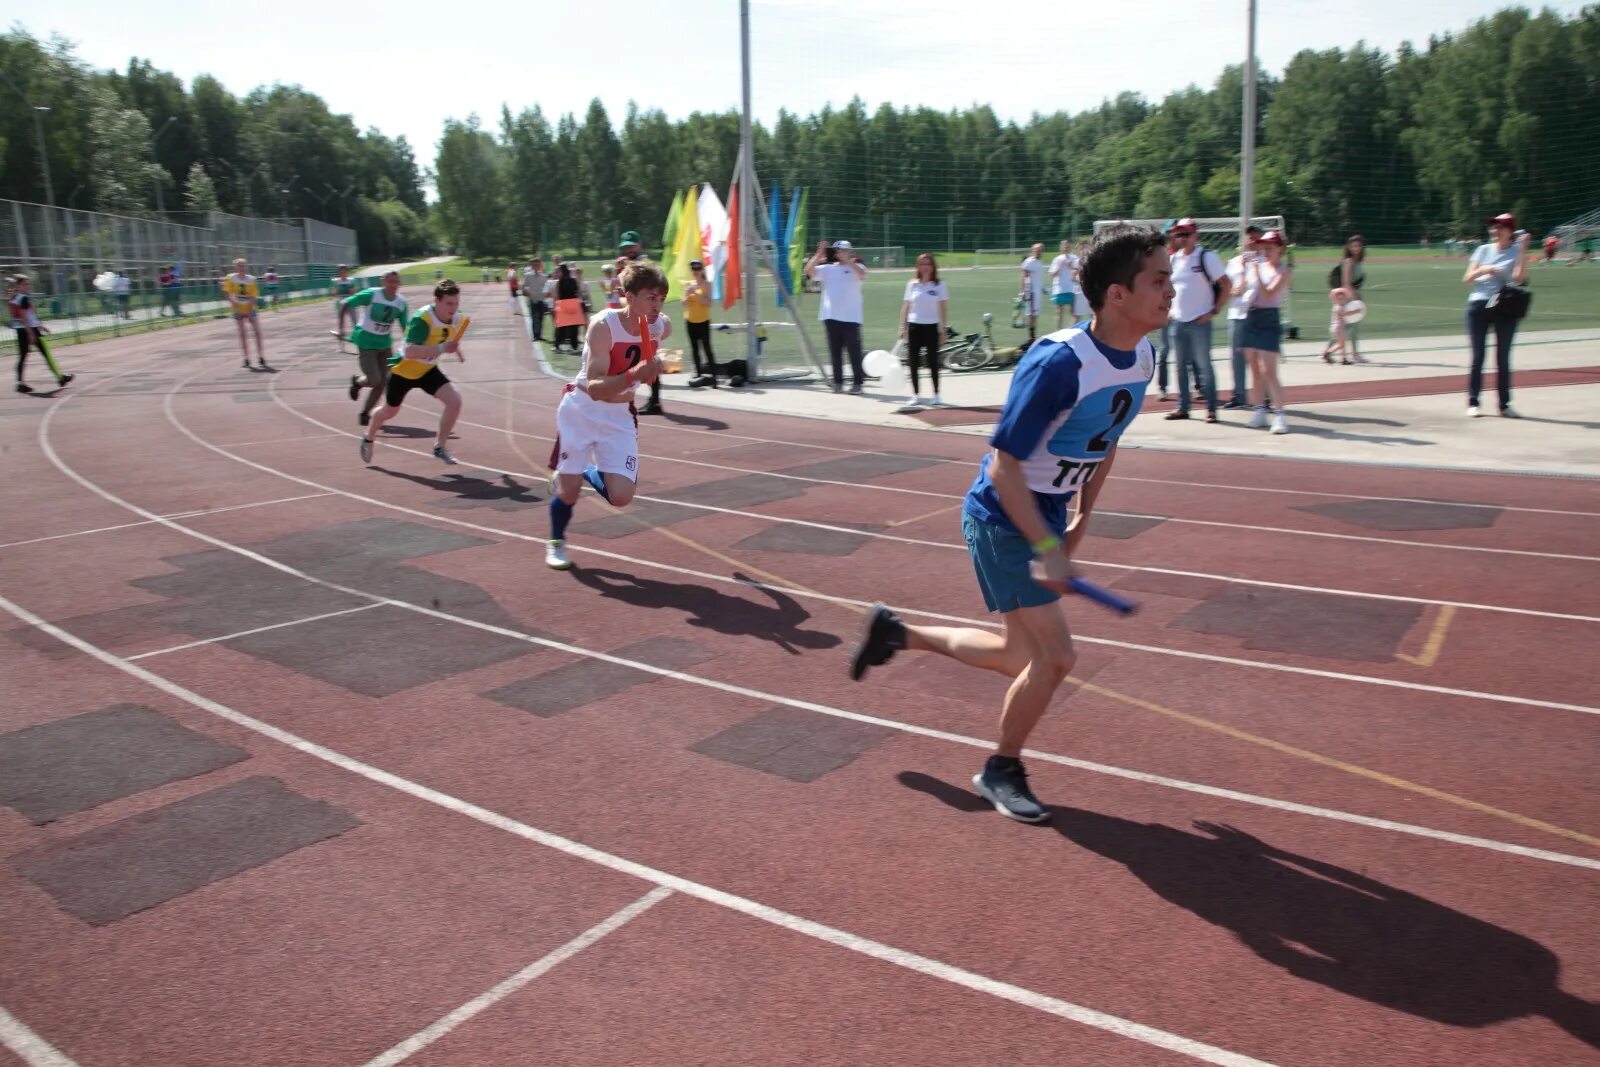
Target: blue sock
{"x": 560, "y": 515}
{"x": 592, "y": 475}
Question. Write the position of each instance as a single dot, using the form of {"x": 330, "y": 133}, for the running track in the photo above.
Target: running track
{"x": 304, "y": 762}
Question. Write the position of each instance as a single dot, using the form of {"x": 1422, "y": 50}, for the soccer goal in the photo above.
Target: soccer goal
{"x": 1221, "y": 235}
{"x": 1000, "y": 257}
{"x": 882, "y": 255}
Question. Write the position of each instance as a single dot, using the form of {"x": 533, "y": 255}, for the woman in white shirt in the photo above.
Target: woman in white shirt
{"x": 923, "y": 321}
{"x": 1501, "y": 262}
{"x": 1262, "y": 334}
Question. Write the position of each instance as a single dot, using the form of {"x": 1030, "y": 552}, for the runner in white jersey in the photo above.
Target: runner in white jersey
{"x": 597, "y": 435}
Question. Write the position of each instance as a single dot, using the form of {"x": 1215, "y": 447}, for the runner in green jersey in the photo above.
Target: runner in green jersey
{"x": 343, "y": 287}
{"x": 380, "y": 310}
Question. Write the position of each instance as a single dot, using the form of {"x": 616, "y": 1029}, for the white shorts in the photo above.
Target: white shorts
{"x": 592, "y": 431}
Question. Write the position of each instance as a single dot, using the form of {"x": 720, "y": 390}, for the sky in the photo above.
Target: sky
{"x": 406, "y": 66}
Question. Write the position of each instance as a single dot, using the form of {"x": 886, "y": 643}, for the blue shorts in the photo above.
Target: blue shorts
{"x": 1061, "y": 300}
{"x": 1002, "y": 561}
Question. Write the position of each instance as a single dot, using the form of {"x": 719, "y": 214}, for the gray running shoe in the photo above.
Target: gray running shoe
{"x": 366, "y": 450}
{"x": 440, "y": 454}
{"x": 1004, "y": 783}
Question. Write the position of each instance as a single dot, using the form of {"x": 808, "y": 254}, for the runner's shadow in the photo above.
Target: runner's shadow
{"x": 712, "y": 609}
{"x": 697, "y": 421}
{"x": 474, "y": 489}
{"x": 1322, "y": 923}
{"x": 412, "y": 432}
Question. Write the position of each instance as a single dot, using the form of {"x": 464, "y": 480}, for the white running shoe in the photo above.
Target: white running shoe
{"x": 1258, "y": 421}
{"x": 1278, "y": 425}
{"x": 1507, "y": 413}
{"x": 935, "y": 402}
{"x": 1472, "y": 411}
{"x": 366, "y": 450}
{"x": 555, "y": 556}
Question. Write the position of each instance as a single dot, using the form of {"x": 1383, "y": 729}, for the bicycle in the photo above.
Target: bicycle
{"x": 972, "y": 352}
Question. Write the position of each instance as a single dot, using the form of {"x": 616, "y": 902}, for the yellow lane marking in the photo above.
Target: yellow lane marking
{"x": 929, "y": 515}
{"x": 1430, "y": 648}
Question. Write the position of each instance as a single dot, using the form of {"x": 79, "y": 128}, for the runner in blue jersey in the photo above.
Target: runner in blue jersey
{"x": 1072, "y": 396}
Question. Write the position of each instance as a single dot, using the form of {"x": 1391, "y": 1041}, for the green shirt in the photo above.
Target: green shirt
{"x": 378, "y": 316}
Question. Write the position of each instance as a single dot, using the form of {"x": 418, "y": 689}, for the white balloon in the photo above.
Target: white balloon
{"x": 880, "y": 364}
{"x": 1354, "y": 312}
{"x": 642, "y": 394}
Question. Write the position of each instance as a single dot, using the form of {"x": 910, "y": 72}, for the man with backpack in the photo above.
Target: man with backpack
{"x": 1201, "y": 287}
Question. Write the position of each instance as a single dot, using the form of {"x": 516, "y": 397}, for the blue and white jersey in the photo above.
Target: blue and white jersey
{"x": 1070, "y": 399}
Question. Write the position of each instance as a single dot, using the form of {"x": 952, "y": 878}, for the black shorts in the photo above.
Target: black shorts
{"x": 394, "y": 394}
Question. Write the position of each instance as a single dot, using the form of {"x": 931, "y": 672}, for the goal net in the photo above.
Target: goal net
{"x": 999, "y": 257}
{"x": 882, "y": 255}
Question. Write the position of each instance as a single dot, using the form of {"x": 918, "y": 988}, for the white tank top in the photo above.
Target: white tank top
{"x": 626, "y": 347}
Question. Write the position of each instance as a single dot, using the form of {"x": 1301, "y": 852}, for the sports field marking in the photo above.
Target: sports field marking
{"x": 257, "y": 630}
{"x": 170, "y": 515}
{"x": 893, "y": 724}
{"x": 1435, "y": 640}
{"x": 801, "y": 591}
{"x": 280, "y": 440}
{"x": 950, "y": 545}
{"x": 743, "y": 905}
{"x": 543, "y": 965}
{"x": 28, "y": 1046}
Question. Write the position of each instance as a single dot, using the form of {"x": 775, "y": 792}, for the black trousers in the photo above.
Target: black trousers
{"x": 1479, "y": 321}
{"x": 700, "y": 337}
{"x": 922, "y": 342}
{"x": 842, "y": 335}
{"x": 536, "y": 317}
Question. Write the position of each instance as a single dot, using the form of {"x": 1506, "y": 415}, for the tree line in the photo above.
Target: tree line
{"x": 1428, "y": 141}
{"x": 127, "y": 141}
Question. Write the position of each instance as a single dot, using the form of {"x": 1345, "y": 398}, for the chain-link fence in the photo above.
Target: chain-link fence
{"x": 63, "y": 251}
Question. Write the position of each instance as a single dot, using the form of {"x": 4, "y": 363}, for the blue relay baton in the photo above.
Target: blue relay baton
{"x": 1102, "y": 596}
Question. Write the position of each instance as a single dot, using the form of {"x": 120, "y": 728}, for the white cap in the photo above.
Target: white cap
{"x": 842, "y": 244}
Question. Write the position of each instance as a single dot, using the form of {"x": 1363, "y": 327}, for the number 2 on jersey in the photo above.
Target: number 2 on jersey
{"x": 1121, "y": 403}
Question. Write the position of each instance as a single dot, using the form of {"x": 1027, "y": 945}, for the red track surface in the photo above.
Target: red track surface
{"x": 1350, "y": 822}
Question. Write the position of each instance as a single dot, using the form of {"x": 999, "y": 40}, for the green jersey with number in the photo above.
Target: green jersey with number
{"x": 378, "y": 317}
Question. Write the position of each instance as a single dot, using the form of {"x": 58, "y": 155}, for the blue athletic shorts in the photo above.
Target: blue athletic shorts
{"x": 1061, "y": 300}
{"x": 1002, "y": 561}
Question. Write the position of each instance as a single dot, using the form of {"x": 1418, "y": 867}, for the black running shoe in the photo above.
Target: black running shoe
{"x": 1004, "y": 783}
{"x": 65, "y": 380}
{"x": 885, "y": 636}
{"x": 355, "y": 387}
{"x": 24, "y": 387}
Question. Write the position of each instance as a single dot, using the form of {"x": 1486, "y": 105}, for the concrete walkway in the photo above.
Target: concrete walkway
{"x": 1407, "y": 407}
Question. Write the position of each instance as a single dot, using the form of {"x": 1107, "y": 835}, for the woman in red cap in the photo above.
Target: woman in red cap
{"x": 1266, "y": 283}
{"x": 1500, "y": 262}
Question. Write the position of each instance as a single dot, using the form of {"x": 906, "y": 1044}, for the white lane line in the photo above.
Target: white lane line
{"x": 730, "y": 435}
{"x": 544, "y": 964}
{"x": 951, "y": 546}
{"x": 1233, "y": 661}
{"x": 1253, "y": 527}
{"x": 28, "y": 1046}
{"x": 257, "y": 630}
{"x": 743, "y": 905}
{"x": 803, "y": 705}
{"x": 169, "y": 515}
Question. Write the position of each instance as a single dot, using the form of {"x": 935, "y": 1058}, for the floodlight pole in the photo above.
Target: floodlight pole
{"x": 747, "y": 177}
{"x": 1247, "y": 147}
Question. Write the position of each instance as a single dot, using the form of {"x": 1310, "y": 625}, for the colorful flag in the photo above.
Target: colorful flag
{"x": 733, "y": 287}
{"x": 775, "y": 231}
{"x": 713, "y": 237}
{"x": 669, "y": 233}
{"x": 797, "y": 237}
{"x": 686, "y": 246}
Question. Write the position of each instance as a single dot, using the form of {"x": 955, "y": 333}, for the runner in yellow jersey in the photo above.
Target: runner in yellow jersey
{"x": 243, "y": 294}
{"x": 433, "y": 333}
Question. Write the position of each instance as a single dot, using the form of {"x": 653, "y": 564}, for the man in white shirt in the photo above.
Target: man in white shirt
{"x": 1238, "y": 308}
{"x": 1033, "y": 289}
{"x": 1065, "y": 290}
{"x": 534, "y": 281}
{"x": 840, "y": 272}
{"x": 1201, "y": 288}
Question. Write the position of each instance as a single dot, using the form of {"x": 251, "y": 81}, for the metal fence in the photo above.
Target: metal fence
{"x": 63, "y": 250}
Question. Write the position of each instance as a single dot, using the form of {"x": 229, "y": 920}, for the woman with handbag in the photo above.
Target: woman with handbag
{"x": 1497, "y": 272}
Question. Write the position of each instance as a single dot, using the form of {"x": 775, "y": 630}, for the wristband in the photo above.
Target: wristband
{"x": 1046, "y": 545}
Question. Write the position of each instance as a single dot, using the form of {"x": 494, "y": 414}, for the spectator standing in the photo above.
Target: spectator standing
{"x": 841, "y": 274}
{"x": 569, "y": 317}
{"x": 1500, "y": 262}
{"x": 1238, "y": 306}
{"x": 924, "y": 317}
{"x": 513, "y": 287}
{"x": 1066, "y": 292}
{"x": 1267, "y": 281}
{"x": 123, "y": 288}
{"x": 1033, "y": 289}
{"x": 171, "y": 291}
{"x": 1352, "y": 275}
{"x": 534, "y": 280}
{"x": 697, "y": 319}
{"x": 1200, "y": 282}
